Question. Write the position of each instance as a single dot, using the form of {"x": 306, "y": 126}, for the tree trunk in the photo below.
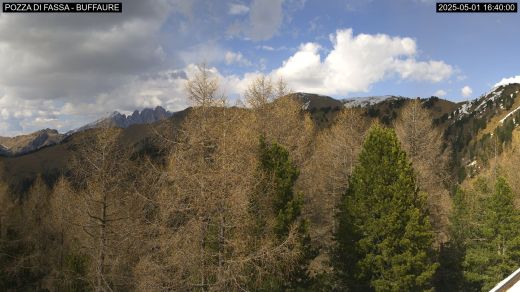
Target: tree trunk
{"x": 101, "y": 252}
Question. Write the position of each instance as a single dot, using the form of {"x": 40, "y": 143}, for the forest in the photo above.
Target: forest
{"x": 258, "y": 197}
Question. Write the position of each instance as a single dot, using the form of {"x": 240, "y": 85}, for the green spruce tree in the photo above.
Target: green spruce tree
{"x": 493, "y": 249}
{"x": 276, "y": 197}
{"x": 384, "y": 235}
{"x": 449, "y": 276}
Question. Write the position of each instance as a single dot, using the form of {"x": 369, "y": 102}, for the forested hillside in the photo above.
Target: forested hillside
{"x": 294, "y": 192}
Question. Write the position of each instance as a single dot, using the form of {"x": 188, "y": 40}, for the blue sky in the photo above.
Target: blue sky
{"x": 62, "y": 71}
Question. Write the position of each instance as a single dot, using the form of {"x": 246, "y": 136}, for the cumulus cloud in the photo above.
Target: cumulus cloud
{"x": 62, "y": 71}
{"x": 78, "y": 55}
{"x": 440, "y": 93}
{"x": 357, "y": 62}
{"x": 236, "y": 58}
{"x": 50, "y": 61}
{"x": 466, "y": 91}
{"x": 16, "y": 115}
{"x": 506, "y": 81}
{"x": 164, "y": 88}
{"x": 238, "y": 9}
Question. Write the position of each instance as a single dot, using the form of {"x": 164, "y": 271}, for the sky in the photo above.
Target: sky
{"x": 62, "y": 71}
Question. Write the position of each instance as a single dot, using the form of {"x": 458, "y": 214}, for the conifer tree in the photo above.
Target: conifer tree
{"x": 385, "y": 238}
{"x": 277, "y": 194}
{"x": 493, "y": 251}
{"x": 449, "y": 276}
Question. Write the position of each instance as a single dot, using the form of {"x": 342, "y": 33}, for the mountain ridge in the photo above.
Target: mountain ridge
{"x": 27, "y": 143}
{"x": 22, "y": 144}
{"x": 119, "y": 120}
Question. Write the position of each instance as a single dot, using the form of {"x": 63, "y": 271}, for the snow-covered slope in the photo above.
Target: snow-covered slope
{"x": 498, "y": 99}
{"x": 509, "y": 114}
{"x": 367, "y": 100}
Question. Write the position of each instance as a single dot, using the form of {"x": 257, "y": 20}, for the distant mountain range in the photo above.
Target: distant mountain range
{"x": 321, "y": 107}
{"x": 458, "y": 119}
{"x": 466, "y": 128}
{"x": 12, "y": 146}
{"x": 116, "y": 119}
{"x": 28, "y": 143}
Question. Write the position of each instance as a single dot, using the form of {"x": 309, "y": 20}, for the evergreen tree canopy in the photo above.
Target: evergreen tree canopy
{"x": 276, "y": 208}
{"x": 282, "y": 174}
{"x": 450, "y": 275}
{"x": 493, "y": 250}
{"x": 385, "y": 237}
{"x": 276, "y": 197}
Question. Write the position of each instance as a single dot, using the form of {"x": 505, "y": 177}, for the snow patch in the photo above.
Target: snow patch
{"x": 491, "y": 96}
{"x": 306, "y": 105}
{"x": 367, "y": 101}
{"x": 464, "y": 108}
{"x": 509, "y": 114}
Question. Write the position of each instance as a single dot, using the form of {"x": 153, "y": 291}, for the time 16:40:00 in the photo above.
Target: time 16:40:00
{"x": 477, "y": 7}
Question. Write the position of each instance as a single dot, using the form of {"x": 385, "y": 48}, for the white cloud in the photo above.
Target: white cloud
{"x": 165, "y": 88}
{"x": 49, "y": 61}
{"x": 83, "y": 66}
{"x": 505, "y": 81}
{"x": 236, "y": 58}
{"x": 440, "y": 93}
{"x": 434, "y": 71}
{"x": 267, "y": 48}
{"x": 238, "y": 9}
{"x": 357, "y": 62}
{"x": 272, "y": 49}
{"x": 4, "y": 113}
{"x": 78, "y": 56}
{"x": 466, "y": 91}
{"x": 19, "y": 116}
{"x": 304, "y": 70}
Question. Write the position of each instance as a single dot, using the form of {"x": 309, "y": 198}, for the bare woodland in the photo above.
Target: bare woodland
{"x": 204, "y": 219}
{"x": 424, "y": 145}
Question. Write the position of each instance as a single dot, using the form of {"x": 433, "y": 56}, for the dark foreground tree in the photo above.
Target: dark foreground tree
{"x": 384, "y": 235}
{"x": 275, "y": 198}
{"x": 493, "y": 246}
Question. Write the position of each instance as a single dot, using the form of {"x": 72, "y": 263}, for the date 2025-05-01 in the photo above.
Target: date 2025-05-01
{"x": 471, "y": 7}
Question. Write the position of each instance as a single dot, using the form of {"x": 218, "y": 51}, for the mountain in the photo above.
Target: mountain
{"x": 3, "y": 150}
{"x": 496, "y": 101}
{"x": 22, "y": 144}
{"x": 116, "y": 119}
{"x": 316, "y": 102}
{"x": 368, "y": 100}
{"x": 463, "y": 125}
{"x": 323, "y": 109}
{"x": 479, "y": 127}
{"x": 49, "y": 162}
